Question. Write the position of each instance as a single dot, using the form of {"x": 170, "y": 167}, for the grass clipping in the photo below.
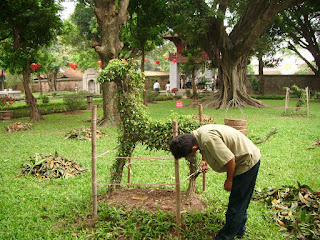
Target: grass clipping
{"x": 51, "y": 166}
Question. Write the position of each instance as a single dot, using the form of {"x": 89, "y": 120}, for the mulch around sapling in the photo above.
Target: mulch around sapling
{"x": 153, "y": 200}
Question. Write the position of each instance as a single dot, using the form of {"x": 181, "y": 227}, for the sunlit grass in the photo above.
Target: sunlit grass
{"x": 32, "y": 208}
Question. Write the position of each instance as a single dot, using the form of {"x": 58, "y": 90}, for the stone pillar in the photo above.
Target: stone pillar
{"x": 174, "y": 75}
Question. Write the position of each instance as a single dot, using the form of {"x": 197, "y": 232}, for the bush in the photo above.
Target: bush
{"x": 44, "y": 99}
{"x": 152, "y": 95}
{"x": 74, "y": 101}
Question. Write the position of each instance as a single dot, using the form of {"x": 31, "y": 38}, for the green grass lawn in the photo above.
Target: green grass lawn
{"x": 34, "y": 208}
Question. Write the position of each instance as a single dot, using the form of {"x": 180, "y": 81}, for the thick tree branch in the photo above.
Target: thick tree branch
{"x": 291, "y": 47}
{"x": 257, "y": 15}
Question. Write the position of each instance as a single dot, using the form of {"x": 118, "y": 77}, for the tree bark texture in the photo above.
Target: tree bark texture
{"x": 30, "y": 99}
{"x": 193, "y": 168}
{"x": 111, "y": 14}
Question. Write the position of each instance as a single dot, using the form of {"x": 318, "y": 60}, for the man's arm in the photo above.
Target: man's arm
{"x": 231, "y": 167}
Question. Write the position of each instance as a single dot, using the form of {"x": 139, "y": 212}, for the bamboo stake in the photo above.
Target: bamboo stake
{"x": 287, "y": 100}
{"x": 307, "y": 95}
{"x": 129, "y": 170}
{"x": 94, "y": 161}
{"x": 200, "y": 114}
{"x": 204, "y": 181}
{"x": 177, "y": 178}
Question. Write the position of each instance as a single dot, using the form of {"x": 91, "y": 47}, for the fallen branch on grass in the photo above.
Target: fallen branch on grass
{"x": 272, "y": 132}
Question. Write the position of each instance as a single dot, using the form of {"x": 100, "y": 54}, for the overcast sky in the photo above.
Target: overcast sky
{"x": 68, "y": 9}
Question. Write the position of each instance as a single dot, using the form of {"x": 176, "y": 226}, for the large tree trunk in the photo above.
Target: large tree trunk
{"x": 261, "y": 79}
{"x": 40, "y": 85}
{"x": 111, "y": 14}
{"x": 232, "y": 92}
{"x": 30, "y": 99}
{"x": 195, "y": 96}
{"x": 110, "y": 114}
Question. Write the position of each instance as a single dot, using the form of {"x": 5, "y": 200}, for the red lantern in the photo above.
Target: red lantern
{"x": 157, "y": 62}
{"x": 99, "y": 63}
{"x": 33, "y": 66}
{"x": 174, "y": 60}
{"x": 166, "y": 58}
{"x": 38, "y": 65}
{"x": 73, "y": 65}
{"x": 145, "y": 60}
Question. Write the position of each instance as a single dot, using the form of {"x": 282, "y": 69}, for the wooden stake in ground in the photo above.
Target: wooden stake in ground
{"x": 94, "y": 161}
{"x": 177, "y": 178}
{"x": 204, "y": 175}
{"x": 200, "y": 114}
{"x": 307, "y": 96}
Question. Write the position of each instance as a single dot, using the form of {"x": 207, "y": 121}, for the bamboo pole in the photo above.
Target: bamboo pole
{"x": 129, "y": 170}
{"x": 287, "y": 100}
{"x": 204, "y": 181}
{"x": 94, "y": 160}
{"x": 177, "y": 178}
{"x": 200, "y": 114}
{"x": 307, "y": 95}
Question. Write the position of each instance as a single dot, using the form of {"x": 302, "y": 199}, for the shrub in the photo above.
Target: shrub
{"x": 151, "y": 95}
{"x": 44, "y": 99}
{"x": 74, "y": 101}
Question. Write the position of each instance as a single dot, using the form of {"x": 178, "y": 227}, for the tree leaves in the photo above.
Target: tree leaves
{"x": 297, "y": 209}
{"x": 51, "y": 166}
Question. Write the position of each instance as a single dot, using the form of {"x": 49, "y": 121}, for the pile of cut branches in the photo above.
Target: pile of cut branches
{"x": 205, "y": 118}
{"x": 82, "y": 134}
{"x": 51, "y": 166}
{"x": 19, "y": 126}
{"x": 297, "y": 210}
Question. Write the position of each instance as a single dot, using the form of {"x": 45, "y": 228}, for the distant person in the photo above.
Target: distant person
{"x": 156, "y": 86}
{"x": 168, "y": 88}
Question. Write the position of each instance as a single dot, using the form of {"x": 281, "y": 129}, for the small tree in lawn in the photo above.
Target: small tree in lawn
{"x": 27, "y": 26}
{"x": 135, "y": 126}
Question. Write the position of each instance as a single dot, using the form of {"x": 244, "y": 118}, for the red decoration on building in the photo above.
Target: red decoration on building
{"x": 174, "y": 60}
{"x": 166, "y": 58}
{"x": 73, "y": 65}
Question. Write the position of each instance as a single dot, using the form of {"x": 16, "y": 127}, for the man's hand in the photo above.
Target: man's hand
{"x": 204, "y": 166}
{"x": 228, "y": 185}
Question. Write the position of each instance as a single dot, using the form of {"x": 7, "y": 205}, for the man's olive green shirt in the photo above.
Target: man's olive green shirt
{"x": 218, "y": 144}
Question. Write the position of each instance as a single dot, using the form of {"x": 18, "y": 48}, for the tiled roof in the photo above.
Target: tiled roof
{"x": 71, "y": 73}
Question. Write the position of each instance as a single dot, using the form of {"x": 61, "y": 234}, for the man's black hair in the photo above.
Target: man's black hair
{"x": 181, "y": 146}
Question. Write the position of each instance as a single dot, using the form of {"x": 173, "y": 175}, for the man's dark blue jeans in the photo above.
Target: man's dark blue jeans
{"x": 241, "y": 193}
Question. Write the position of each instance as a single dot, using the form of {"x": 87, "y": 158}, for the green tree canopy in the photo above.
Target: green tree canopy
{"x": 26, "y": 26}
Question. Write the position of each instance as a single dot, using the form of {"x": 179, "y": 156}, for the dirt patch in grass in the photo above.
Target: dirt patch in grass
{"x": 153, "y": 199}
